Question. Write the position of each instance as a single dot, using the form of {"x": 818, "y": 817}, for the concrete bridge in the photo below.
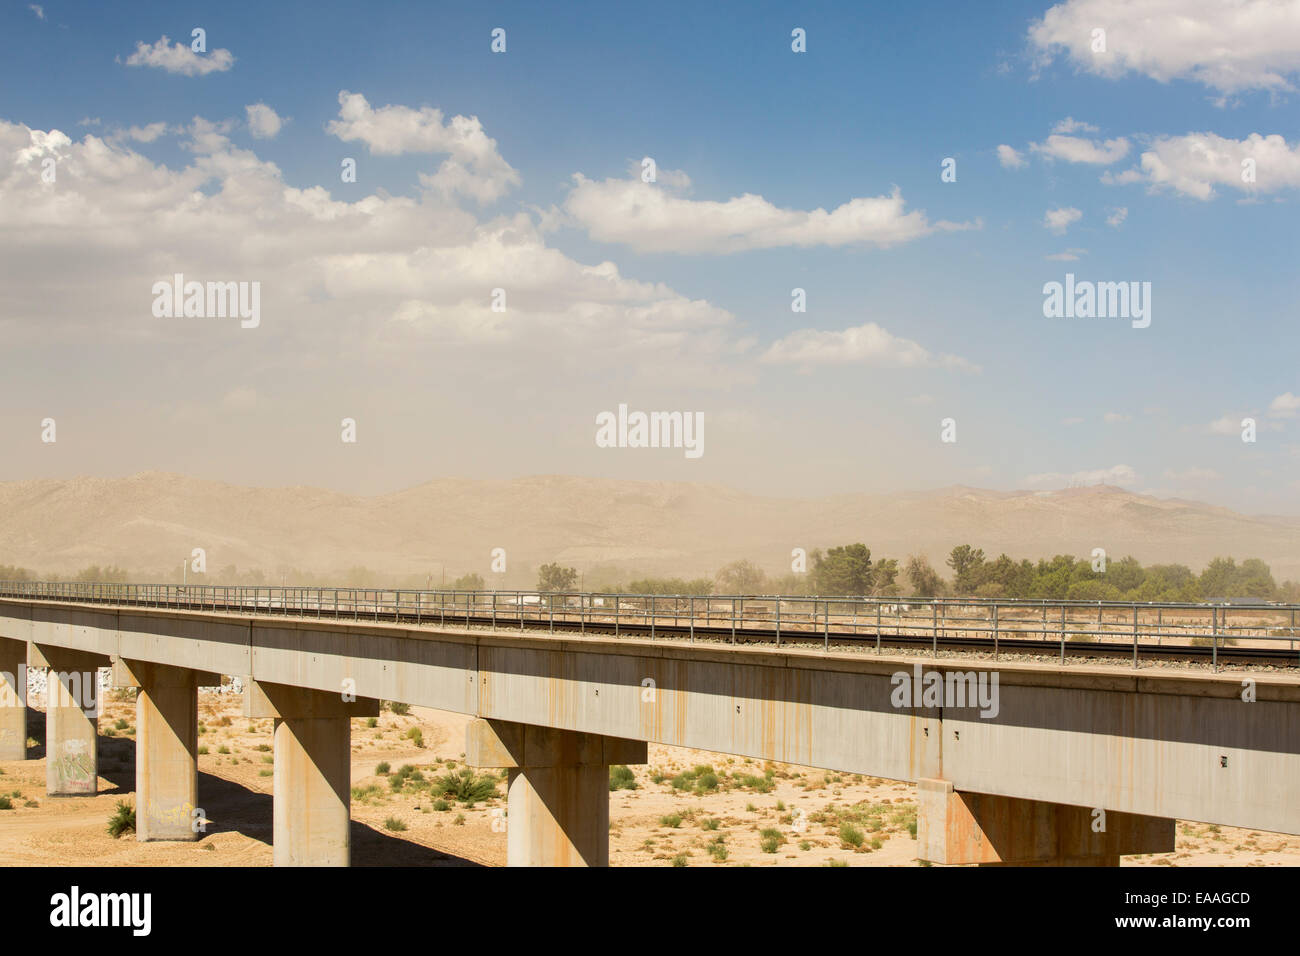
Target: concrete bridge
{"x": 1015, "y": 763}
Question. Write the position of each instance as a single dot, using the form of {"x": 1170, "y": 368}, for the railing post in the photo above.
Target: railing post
{"x": 934, "y": 628}
{"x": 1135, "y": 637}
{"x": 1062, "y": 633}
{"x": 1214, "y": 640}
{"x": 995, "y": 630}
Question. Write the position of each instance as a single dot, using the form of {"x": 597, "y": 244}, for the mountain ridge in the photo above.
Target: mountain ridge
{"x": 151, "y": 521}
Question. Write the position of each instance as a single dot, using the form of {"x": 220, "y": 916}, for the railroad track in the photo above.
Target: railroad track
{"x": 567, "y": 624}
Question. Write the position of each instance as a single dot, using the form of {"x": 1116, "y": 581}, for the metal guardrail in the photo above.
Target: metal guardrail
{"x": 784, "y": 618}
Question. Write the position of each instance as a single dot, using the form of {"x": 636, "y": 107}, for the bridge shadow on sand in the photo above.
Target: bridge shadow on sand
{"x": 232, "y": 807}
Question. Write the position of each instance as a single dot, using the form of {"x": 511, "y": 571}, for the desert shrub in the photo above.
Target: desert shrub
{"x": 122, "y": 820}
{"x": 466, "y": 786}
{"x": 621, "y": 778}
{"x": 394, "y": 824}
{"x": 671, "y": 820}
{"x": 407, "y": 776}
{"x": 851, "y": 835}
{"x": 397, "y": 707}
{"x": 382, "y": 768}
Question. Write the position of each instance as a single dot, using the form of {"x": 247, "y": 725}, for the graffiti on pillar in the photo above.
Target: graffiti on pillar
{"x": 498, "y": 820}
{"x": 75, "y": 765}
{"x": 175, "y": 815}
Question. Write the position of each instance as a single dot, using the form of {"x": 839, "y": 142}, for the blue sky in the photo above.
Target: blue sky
{"x": 370, "y": 304}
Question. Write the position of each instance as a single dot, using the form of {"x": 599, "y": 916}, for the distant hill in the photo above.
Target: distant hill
{"x": 151, "y": 521}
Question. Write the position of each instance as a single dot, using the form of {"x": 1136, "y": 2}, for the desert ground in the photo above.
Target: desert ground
{"x": 688, "y": 807}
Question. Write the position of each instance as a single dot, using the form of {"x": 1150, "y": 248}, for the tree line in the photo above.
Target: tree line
{"x": 844, "y": 570}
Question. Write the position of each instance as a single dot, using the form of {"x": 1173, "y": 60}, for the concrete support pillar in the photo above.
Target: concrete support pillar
{"x": 558, "y": 804}
{"x": 957, "y": 827}
{"x": 166, "y": 748}
{"x": 13, "y": 699}
{"x": 313, "y": 770}
{"x": 71, "y": 719}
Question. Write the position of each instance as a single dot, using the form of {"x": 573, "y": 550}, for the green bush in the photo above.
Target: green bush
{"x": 851, "y": 835}
{"x": 400, "y": 709}
{"x": 621, "y": 778}
{"x": 6, "y": 803}
{"x": 466, "y": 786}
{"x": 407, "y": 776}
{"x": 122, "y": 820}
{"x": 382, "y": 768}
{"x": 394, "y": 824}
{"x": 671, "y": 820}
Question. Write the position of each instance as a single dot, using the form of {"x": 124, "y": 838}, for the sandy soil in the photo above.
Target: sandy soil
{"x": 688, "y": 808}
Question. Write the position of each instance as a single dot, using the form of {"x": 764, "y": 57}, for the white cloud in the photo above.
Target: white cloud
{"x": 1074, "y": 420}
{"x": 867, "y": 344}
{"x": 1069, "y": 255}
{"x": 650, "y": 218}
{"x": 1059, "y": 220}
{"x": 1117, "y": 217}
{"x": 1112, "y": 418}
{"x": 1072, "y": 125}
{"x": 1076, "y": 149}
{"x": 1009, "y": 158}
{"x": 1115, "y": 475}
{"x": 263, "y": 122}
{"x": 37, "y": 9}
{"x": 385, "y": 273}
{"x": 1193, "y": 474}
{"x": 1227, "y": 46}
{"x": 1195, "y": 163}
{"x": 146, "y": 134}
{"x": 474, "y": 167}
{"x": 179, "y": 58}
{"x": 1285, "y": 405}
{"x": 1227, "y": 425}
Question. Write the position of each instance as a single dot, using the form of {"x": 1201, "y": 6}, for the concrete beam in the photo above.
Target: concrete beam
{"x": 71, "y": 719}
{"x": 13, "y": 700}
{"x": 166, "y": 749}
{"x": 956, "y": 827}
{"x": 313, "y": 770}
{"x": 558, "y": 796}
